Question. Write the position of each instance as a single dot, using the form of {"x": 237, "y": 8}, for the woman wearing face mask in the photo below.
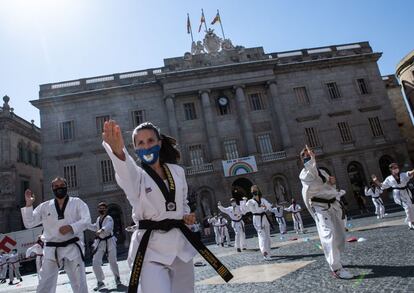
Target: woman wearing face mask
{"x": 162, "y": 251}
{"x": 258, "y": 207}
{"x": 295, "y": 209}
{"x": 64, "y": 219}
{"x": 398, "y": 181}
{"x": 375, "y": 193}
{"x": 235, "y": 213}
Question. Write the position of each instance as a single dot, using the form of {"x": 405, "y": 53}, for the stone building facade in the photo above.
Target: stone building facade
{"x": 20, "y": 166}
{"x": 402, "y": 114}
{"x": 235, "y": 103}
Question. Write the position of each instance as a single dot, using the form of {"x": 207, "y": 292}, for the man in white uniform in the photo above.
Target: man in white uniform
{"x": 13, "y": 262}
{"x": 321, "y": 198}
{"x": 278, "y": 210}
{"x": 375, "y": 193}
{"x": 223, "y": 231}
{"x": 258, "y": 207}
{"x": 235, "y": 213}
{"x": 64, "y": 219}
{"x": 213, "y": 221}
{"x": 105, "y": 243}
{"x": 295, "y": 209}
{"x": 36, "y": 251}
{"x": 402, "y": 195}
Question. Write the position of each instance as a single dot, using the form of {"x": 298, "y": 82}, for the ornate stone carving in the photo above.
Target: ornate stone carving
{"x": 212, "y": 42}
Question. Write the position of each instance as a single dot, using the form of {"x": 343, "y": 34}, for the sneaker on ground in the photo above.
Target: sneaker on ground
{"x": 99, "y": 286}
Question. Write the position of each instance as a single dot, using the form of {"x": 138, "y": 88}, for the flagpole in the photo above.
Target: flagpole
{"x": 205, "y": 24}
{"x": 221, "y": 25}
{"x": 191, "y": 29}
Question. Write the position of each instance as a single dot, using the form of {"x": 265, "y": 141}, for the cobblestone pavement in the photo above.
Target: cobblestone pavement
{"x": 382, "y": 263}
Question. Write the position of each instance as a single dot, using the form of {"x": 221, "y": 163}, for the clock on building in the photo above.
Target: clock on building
{"x": 223, "y": 101}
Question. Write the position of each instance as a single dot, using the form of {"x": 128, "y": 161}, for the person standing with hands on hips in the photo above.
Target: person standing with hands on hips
{"x": 157, "y": 191}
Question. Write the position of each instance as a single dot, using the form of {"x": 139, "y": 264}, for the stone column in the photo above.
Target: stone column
{"x": 275, "y": 122}
{"x": 210, "y": 125}
{"x": 247, "y": 129}
{"x": 284, "y": 132}
{"x": 172, "y": 119}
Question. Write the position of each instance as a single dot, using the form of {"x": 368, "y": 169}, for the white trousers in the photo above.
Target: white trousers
{"x": 14, "y": 271}
{"x": 217, "y": 235}
{"x": 263, "y": 233}
{"x": 282, "y": 224}
{"x": 408, "y": 207}
{"x": 75, "y": 269}
{"x": 239, "y": 235}
{"x": 159, "y": 278}
{"x": 379, "y": 207}
{"x": 97, "y": 263}
{"x": 39, "y": 260}
{"x": 297, "y": 222}
{"x": 331, "y": 232}
{"x": 224, "y": 235}
{"x": 3, "y": 271}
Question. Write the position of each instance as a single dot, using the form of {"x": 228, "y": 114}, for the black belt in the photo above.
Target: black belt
{"x": 73, "y": 240}
{"x": 261, "y": 219}
{"x": 167, "y": 225}
{"x": 238, "y": 221}
{"x": 99, "y": 241}
{"x": 399, "y": 188}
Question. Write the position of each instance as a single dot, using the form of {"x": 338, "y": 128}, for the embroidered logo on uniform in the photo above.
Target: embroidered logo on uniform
{"x": 148, "y": 189}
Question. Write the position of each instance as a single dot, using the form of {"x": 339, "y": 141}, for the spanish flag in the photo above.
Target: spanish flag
{"x": 217, "y": 18}
{"x": 203, "y": 20}
{"x": 188, "y": 24}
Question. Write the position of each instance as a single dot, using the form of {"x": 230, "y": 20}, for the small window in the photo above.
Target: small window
{"x": 107, "y": 171}
{"x": 20, "y": 156}
{"x": 69, "y": 173}
{"x": 362, "y": 86}
{"x": 375, "y": 125}
{"x": 301, "y": 94}
{"x": 230, "y": 148}
{"x": 333, "y": 90}
{"x": 138, "y": 117}
{"x": 189, "y": 111}
{"x": 256, "y": 102}
{"x": 312, "y": 137}
{"x": 196, "y": 155}
{"x": 265, "y": 144}
{"x": 345, "y": 131}
{"x": 67, "y": 130}
{"x": 100, "y": 121}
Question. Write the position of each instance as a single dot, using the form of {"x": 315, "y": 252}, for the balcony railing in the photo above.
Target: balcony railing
{"x": 273, "y": 156}
{"x": 199, "y": 169}
{"x": 109, "y": 186}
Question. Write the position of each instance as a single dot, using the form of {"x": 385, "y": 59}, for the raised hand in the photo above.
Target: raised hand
{"x": 374, "y": 178}
{"x": 219, "y": 203}
{"x": 332, "y": 180}
{"x": 310, "y": 151}
{"x": 112, "y": 135}
{"x": 29, "y": 197}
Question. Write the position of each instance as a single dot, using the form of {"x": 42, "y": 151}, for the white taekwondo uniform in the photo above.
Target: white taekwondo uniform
{"x": 327, "y": 215}
{"x": 76, "y": 214}
{"x": 235, "y": 213}
{"x": 13, "y": 262}
{"x": 278, "y": 212}
{"x": 297, "y": 219}
{"x": 3, "y": 266}
{"x": 375, "y": 194}
{"x": 103, "y": 244}
{"x": 401, "y": 194}
{"x": 36, "y": 251}
{"x": 223, "y": 231}
{"x": 167, "y": 265}
{"x": 212, "y": 221}
{"x": 260, "y": 221}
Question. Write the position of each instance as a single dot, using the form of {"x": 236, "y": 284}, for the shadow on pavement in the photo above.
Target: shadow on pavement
{"x": 379, "y": 271}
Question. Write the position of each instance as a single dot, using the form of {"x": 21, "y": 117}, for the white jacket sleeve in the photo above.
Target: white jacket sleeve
{"x": 85, "y": 218}
{"x": 186, "y": 209}
{"x": 224, "y": 210}
{"x": 32, "y": 218}
{"x": 109, "y": 225}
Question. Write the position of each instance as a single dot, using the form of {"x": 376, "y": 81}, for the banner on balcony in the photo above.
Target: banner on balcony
{"x": 239, "y": 166}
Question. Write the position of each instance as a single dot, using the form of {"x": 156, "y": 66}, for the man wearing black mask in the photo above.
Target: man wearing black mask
{"x": 105, "y": 243}
{"x": 64, "y": 219}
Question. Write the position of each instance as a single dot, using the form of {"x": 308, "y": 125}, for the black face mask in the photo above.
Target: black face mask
{"x": 102, "y": 212}
{"x": 255, "y": 193}
{"x": 60, "y": 192}
{"x": 305, "y": 160}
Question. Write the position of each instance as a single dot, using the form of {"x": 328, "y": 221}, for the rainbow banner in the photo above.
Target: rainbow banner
{"x": 239, "y": 166}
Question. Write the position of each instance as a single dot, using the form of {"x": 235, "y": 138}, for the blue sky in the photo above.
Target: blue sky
{"x": 43, "y": 41}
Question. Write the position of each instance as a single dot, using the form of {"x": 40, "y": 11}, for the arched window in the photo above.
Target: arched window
{"x": 357, "y": 177}
{"x": 281, "y": 190}
{"x": 116, "y": 213}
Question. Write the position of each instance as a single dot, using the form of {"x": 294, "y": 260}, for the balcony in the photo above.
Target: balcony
{"x": 199, "y": 169}
{"x": 109, "y": 186}
{"x": 273, "y": 156}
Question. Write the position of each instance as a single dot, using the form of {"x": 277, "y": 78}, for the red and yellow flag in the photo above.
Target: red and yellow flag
{"x": 216, "y": 18}
{"x": 202, "y": 20}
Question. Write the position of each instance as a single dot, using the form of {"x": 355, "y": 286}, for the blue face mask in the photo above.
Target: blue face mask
{"x": 149, "y": 156}
{"x": 305, "y": 160}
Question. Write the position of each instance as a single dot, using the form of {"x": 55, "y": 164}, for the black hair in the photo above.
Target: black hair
{"x": 168, "y": 152}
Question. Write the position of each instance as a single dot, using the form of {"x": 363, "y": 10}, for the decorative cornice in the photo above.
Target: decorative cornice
{"x": 340, "y": 113}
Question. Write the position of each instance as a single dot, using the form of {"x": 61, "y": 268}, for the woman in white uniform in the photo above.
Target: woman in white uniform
{"x": 375, "y": 193}
{"x": 157, "y": 192}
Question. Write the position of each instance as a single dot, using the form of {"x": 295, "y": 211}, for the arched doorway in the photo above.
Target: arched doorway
{"x": 384, "y": 162}
{"x": 281, "y": 190}
{"x": 206, "y": 203}
{"x": 116, "y": 213}
{"x": 241, "y": 188}
{"x": 358, "y": 183}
